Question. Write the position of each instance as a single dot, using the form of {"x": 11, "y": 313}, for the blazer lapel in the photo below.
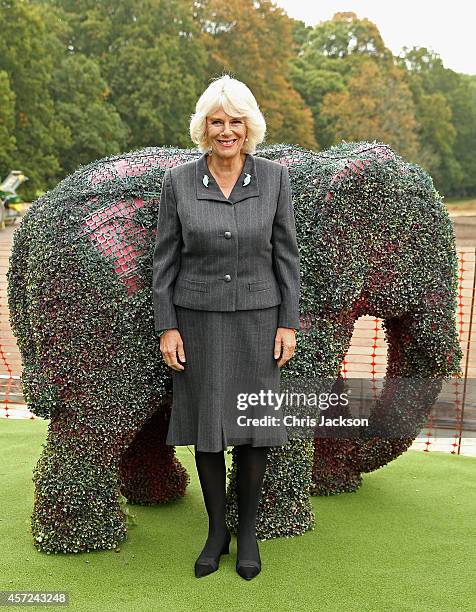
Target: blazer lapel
{"x": 213, "y": 192}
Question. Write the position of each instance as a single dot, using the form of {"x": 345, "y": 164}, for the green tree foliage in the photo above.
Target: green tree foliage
{"x": 253, "y": 39}
{"x": 426, "y": 111}
{"x": 326, "y": 62}
{"x": 80, "y": 95}
{"x": 446, "y": 115}
{"x": 27, "y": 56}
{"x": 151, "y": 57}
{"x": 7, "y": 125}
{"x": 376, "y": 105}
{"x": 61, "y": 116}
{"x": 345, "y": 35}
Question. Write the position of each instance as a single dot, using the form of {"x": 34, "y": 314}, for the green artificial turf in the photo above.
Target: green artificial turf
{"x": 403, "y": 541}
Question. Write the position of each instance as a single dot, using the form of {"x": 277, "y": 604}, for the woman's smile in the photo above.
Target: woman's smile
{"x": 227, "y": 143}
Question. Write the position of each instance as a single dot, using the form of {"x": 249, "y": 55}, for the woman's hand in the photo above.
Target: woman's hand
{"x": 285, "y": 341}
{"x": 170, "y": 345}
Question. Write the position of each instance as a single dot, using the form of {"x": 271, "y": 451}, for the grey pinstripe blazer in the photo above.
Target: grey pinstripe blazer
{"x": 226, "y": 254}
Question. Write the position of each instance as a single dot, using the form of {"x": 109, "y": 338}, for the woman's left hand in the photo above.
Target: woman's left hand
{"x": 284, "y": 342}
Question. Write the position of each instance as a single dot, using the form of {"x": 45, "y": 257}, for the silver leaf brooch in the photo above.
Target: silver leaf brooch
{"x": 246, "y": 180}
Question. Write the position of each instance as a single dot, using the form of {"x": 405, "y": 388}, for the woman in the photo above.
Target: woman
{"x": 226, "y": 301}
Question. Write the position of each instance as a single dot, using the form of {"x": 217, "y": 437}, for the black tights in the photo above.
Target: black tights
{"x": 251, "y": 466}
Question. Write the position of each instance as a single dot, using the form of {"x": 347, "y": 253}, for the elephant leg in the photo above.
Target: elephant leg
{"x": 422, "y": 348}
{"x": 285, "y": 508}
{"x": 150, "y": 472}
{"x": 334, "y": 470}
{"x": 77, "y": 485}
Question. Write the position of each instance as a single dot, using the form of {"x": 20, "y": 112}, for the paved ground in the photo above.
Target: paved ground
{"x": 465, "y": 230}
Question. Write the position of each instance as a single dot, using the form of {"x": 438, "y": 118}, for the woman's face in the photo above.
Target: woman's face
{"x": 221, "y": 128}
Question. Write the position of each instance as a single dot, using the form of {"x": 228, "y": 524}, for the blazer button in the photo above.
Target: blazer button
{"x": 227, "y": 277}
{"x": 227, "y": 234}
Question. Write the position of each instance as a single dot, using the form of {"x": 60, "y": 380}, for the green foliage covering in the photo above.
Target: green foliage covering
{"x": 374, "y": 238}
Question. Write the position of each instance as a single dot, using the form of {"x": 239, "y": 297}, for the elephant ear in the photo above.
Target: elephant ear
{"x": 115, "y": 232}
{"x": 120, "y": 211}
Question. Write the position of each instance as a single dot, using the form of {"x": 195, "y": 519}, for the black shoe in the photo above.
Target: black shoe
{"x": 248, "y": 568}
{"x": 208, "y": 565}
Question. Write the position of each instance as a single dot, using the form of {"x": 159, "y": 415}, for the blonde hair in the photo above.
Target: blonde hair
{"x": 237, "y": 100}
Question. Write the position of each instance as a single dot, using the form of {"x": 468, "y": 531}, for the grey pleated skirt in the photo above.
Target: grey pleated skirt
{"x": 228, "y": 355}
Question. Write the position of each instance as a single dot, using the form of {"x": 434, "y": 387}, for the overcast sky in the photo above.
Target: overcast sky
{"x": 445, "y": 27}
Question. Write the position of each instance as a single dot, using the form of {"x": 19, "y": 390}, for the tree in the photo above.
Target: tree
{"x": 253, "y": 40}
{"x": 446, "y": 114}
{"x": 328, "y": 58}
{"x": 377, "y": 104}
{"x": 7, "y": 125}
{"x": 28, "y": 59}
{"x": 346, "y": 35}
{"x": 81, "y": 102}
{"x": 151, "y": 58}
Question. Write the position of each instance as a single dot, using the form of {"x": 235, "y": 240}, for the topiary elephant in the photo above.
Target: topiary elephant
{"x": 374, "y": 238}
